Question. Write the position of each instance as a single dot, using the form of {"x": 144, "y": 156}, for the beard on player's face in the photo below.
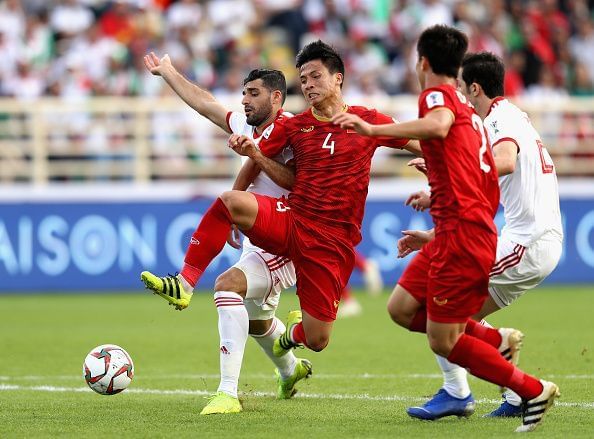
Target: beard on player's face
{"x": 256, "y": 115}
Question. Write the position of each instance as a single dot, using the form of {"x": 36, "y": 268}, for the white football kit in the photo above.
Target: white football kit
{"x": 530, "y": 243}
{"x": 266, "y": 274}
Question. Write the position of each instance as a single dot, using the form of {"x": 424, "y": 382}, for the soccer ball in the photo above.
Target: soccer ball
{"x": 108, "y": 369}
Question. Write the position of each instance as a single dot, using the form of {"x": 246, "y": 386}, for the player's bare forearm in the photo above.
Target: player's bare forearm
{"x": 247, "y": 174}
{"x": 282, "y": 175}
{"x": 414, "y": 147}
{"x": 435, "y": 124}
{"x": 199, "y": 99}
{"x": 506, "y": 155}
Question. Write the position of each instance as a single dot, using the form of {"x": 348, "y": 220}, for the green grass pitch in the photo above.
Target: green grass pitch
{"x": 362, "y": 383}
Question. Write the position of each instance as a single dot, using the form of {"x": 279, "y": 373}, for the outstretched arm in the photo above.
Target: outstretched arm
{"x": 435, "y": 124}
{"x": 199, "y": 99}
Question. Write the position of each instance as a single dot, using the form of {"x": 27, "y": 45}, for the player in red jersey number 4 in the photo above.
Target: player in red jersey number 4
{"x": 319, "y": 223}
{"x": 450, "y": 275}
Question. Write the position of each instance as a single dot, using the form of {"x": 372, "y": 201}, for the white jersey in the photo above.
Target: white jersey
{"x": 262, "y": 184}
{"x": 529, "y": 195}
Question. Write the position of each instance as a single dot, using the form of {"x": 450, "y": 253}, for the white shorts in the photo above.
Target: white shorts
{"x": 267, "y": 275}
{"x": 518, "y": 269}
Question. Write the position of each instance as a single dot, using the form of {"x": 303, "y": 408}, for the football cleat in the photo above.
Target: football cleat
{"x": 169, "y": 288}
{"x": 286, "y": 386}
{"x": 534, "y": 410}
{"x": 221, "y": 403}
{"x": 511, "y": 343}
{"x": 441, "y": 405}
{"x": 284, "y": 344}
{"x": 506, "y": 410}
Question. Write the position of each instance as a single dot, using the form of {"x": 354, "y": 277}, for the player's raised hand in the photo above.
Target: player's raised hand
{"x": 413, "y": 240}
{"x": 234, "y": 236}
{"x": 419, "y": 164}
{"x": 242, "y": 145}
{"x": 419, "y": 201}
{"x": 155, "y": 65}
{"x": 350, "y": 121}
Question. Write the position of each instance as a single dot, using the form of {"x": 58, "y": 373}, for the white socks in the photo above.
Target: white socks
{"x": 454, "y": 378}
{"x": 187, "y": 287}
{"x": 285, "y": 364}
{"x": 512, "y": 398}
{"x": 233, "y": 331}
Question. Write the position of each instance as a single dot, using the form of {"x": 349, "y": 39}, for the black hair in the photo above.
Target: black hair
{"x": 318, "y": 50}
{"x": 271, "y": 79}
{"x": 444, "y": 47}
{"x": 487, "y": 70}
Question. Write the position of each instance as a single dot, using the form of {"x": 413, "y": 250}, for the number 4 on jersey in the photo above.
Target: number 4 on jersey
{"x": 327, "y": 145}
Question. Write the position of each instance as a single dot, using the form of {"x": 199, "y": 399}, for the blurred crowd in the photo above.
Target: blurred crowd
{"x": 80, "y": 48}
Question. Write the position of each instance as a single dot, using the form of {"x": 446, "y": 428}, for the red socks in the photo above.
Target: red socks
{"x": 207, "y": 241}
{"x": 486, "y": 334}
{"x": 298, "y": 334}
{"x": 419, "y": 321}
{"x": 485, "y": 361}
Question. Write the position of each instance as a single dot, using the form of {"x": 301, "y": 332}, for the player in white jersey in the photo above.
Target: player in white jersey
{"x": 530, "y": 244}
{"x": 247, "y": 294}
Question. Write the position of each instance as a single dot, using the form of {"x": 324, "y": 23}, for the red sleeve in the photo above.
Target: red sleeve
{"x": 274, "y": 139}
{"x": 390, "y": 142}
{"x": 433, "y": 98}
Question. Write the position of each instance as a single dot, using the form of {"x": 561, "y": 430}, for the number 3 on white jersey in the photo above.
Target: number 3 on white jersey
{"x": 477, "y": 124}
{"x": 327, "y": 145}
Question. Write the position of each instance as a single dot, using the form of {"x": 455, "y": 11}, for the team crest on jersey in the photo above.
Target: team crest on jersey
{"x": 435, "y": 99}
{"x": 267, "y": 131}
{"x": 308, "y": 129}
{"x": 494, "y": 126}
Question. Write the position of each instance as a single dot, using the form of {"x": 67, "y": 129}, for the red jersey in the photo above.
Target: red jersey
{"x": 461, "y": 169}
{"x": 332, "y": 167}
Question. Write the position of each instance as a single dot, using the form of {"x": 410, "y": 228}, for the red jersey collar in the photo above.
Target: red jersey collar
{"x": 278, "y": 113}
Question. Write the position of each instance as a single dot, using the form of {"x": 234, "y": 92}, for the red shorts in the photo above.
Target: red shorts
{"x": 324, "y": 258}
{"x": 450, "y": 275}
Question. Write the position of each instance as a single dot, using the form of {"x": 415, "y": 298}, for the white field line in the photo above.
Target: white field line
{"x": 323, "y": 376}
{"x": 337, "y": 396}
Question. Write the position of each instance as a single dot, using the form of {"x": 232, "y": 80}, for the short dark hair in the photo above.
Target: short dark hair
{"x": 487, "y": 70}
{"x": 318, "y": 50}
{"x": 444, "y": 47}
{"x": 271, "y": 79}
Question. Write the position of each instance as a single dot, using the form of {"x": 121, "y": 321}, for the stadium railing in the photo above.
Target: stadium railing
{"x": 141, "y": 139}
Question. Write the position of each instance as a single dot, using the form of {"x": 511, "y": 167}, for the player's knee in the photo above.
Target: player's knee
{"x": 399, "y": 315}
{"x": 440, "y": 346}
{"x": 317, "y": 342}
{"x": 230, "y": 281}
{"x": 231, "y": 200}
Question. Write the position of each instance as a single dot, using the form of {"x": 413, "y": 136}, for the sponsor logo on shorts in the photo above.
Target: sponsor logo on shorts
{"x": 194, "y": 241}
{"x": 336, "y": 303}
{"x": 440, "y": 302}
{"x": 224, "y": 350}
{"x": 276, "y": 280}
{"x": 308, "y": 129}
